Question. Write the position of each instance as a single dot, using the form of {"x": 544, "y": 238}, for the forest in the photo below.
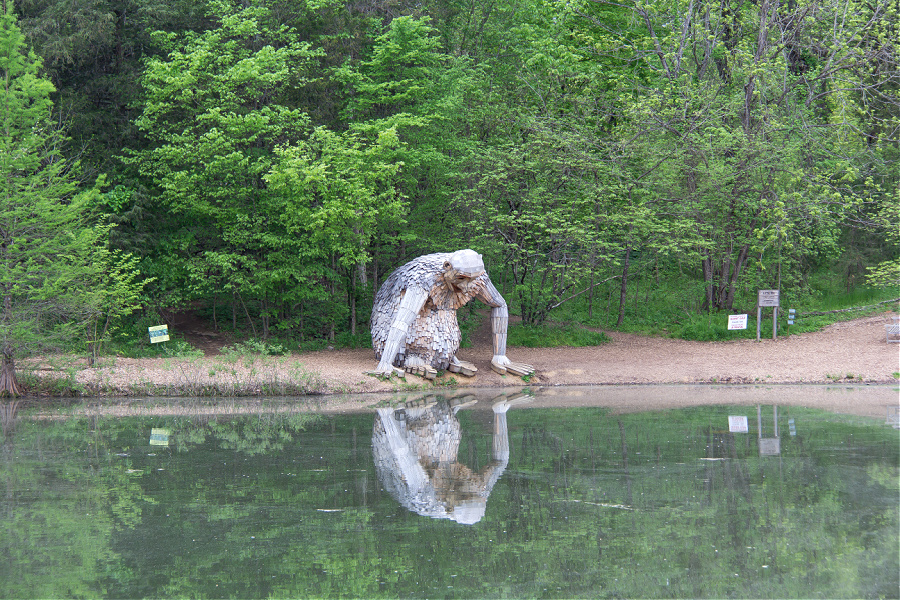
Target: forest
{"x": 267, "y": 163}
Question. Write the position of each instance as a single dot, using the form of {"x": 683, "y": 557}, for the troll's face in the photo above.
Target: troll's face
{"x": 462, "y": 269}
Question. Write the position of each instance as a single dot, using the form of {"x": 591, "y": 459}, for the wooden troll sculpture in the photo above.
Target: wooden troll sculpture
{"x": 414, "y": 323}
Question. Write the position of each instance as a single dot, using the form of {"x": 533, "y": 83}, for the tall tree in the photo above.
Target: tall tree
{"x": 44, "y": 242}
{"x": 334, "y": 194}
{"x": 407, "y": 84}
{"x": 747, "y": 119}
{"x": 216, "y": 109}
{"x": 93, "y": 51}
{"x": 538, "y": 185}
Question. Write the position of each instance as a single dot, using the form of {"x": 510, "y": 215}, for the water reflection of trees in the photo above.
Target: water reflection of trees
{"x": 416, "y": 449}
{"x": 697, "y": 511}
{"x": 589, "y": 504}
{"x": 8, "y": 412}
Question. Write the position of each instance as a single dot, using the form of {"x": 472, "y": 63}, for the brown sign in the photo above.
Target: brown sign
{"x": 769, "y": 297}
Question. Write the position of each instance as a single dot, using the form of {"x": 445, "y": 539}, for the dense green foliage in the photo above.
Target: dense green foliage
{"x": 60, "y": 284}
{"x": 270, "y": 162}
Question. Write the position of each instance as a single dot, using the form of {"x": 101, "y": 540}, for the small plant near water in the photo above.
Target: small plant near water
{"x": 448, "y": 382}
{"x": 382, "y": 376}
{"x": 59, "y": 385}
{"x": 403, "y": 386}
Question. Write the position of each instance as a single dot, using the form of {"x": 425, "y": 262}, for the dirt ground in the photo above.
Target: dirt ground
{"x": 849, "y": 352}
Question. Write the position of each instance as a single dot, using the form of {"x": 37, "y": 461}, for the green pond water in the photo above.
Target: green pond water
{"x": 449, "y": 496}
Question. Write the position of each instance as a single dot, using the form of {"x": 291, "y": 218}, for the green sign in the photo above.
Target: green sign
{"x": 160, "y": 333}
{"x": 159, "y": 437}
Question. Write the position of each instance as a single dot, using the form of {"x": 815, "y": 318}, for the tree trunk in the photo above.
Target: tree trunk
{"x": 247, "y": 314}
{"x": 375, "y": 273}
{"x": 623, "y": 292}
{"x": 363, "y": 280}
{"x": 708, "y": 278}
{"x": 351, "y": 293}
{"x": 724, "y": 279}
{"x": 9, "y": 385}
{"x": 333, "y": 286}
{"x": 738, "y": 267}
{"x": 721, "y": 280}
{"x": 92, "y": 350}
{"x": 591, "y": 296}
{"x": 264, "y": 316}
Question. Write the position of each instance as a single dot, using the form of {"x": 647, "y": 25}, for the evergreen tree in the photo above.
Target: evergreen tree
{"x": 43, "y": 239}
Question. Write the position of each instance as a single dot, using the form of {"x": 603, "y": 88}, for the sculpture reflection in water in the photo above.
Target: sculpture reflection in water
{"x": 415, "y": 448}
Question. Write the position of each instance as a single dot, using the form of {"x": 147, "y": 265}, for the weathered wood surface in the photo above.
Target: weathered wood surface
{"x": 414, "y": 322}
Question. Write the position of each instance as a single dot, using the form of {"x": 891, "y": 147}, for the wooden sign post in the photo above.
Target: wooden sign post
{"x": 767, "y": 298}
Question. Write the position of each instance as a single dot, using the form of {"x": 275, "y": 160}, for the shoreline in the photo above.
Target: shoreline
{"x": 846, "y": 353}
{"x": 864, "y": 400}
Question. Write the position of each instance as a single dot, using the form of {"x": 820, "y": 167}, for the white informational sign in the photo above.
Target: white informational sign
{"x": 768, "y": 297}
{"x": 160, "y": 333}
{"x": 737, "y": 321}
{"x": 737, "y": 424}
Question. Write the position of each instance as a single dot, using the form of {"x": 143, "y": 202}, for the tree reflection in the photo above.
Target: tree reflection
{"x": 8, "y": 417}
{"x": 415, "y": 449}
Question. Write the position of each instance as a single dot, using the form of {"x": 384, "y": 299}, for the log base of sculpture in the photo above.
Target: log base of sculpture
{"x": 463, "y": 368}
{"x": 423, "y": 371}
{"x": 514, "y": 368}
{"x": 414, "y": 326}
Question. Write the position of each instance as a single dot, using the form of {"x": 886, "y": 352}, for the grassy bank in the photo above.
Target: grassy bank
{"x": 230, "y": 374}
{"x": 665, "y": 312}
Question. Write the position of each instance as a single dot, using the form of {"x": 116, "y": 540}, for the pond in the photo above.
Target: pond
{"x": 456, "y": 495}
